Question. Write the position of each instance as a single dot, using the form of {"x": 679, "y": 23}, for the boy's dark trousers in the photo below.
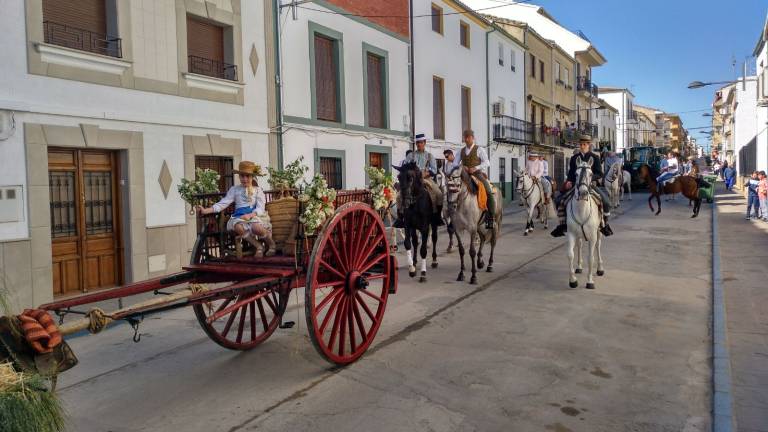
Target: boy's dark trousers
{"x": 753, "y": 201}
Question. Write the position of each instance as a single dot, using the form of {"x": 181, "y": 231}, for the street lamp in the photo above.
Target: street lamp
{"x": 699, "y": 84}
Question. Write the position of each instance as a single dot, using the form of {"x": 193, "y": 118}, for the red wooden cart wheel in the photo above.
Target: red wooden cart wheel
{"x": 244, "y": 327}
{"x": 348, "y": 281}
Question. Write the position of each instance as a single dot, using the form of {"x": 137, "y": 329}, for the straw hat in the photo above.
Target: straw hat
{"x": 249, "y": 168}
{"x": 585, "y": 137}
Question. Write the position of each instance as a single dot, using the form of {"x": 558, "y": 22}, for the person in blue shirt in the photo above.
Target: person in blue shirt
{"x": 752, "y": 197}
{"x": 729, "y": 174}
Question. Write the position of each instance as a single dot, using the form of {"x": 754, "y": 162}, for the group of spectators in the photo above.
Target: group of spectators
{"x": 757, "y": 196}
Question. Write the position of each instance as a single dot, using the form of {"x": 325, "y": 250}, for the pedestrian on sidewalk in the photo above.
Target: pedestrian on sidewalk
{"x": 752, "y": 197}
{"x": 762, "y": 193}
{"x": 729, "y": 175}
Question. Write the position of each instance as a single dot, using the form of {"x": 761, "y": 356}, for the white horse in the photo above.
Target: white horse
{"x": 466, "y": 216}
{"x": 533, "y": 194}
{"x": 584, "y": 220}
{"x": 615, "y": 180}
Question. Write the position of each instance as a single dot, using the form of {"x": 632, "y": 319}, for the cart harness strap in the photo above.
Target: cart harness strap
{"x": 98, "y": 320}
{"x": 40, "y": 330}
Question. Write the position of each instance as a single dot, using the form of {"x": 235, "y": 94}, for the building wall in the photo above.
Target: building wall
{"x": 762, "y": 109}
{"x": 444, "y": 57}
{"x": 540, "y": 92}
{"x": 564, "y": 94}
{"x": 626, "y": 126}
{"x": 606, "y": 127}
{"x": 149, "y": 115}
{"x": 745, "y": 122}
{"x": 308, "y": 137}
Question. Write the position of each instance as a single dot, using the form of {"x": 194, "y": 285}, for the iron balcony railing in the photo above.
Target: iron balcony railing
{"x": 81, "y": 39}
{"x": 585, "y": 84}
{"x": 588, "y": 128}
{"x": 212, "y": 68}
{"x": 511, "y": 130}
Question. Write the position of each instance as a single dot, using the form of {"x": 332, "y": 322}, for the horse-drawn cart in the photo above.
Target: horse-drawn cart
{"x": 346, "y": 267}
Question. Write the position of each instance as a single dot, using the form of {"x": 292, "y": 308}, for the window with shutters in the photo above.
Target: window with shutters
{"x": 206, "y": 50}
{"x": 512, "y": 59}
{"x": 464, "y": 34}
{"x": 437, "y": 19}
{"x": 541, "y": 71}
{"x": 326, "y": 79}
{"x": 501, "y": 54}
{"x": 330, "y": 169}
{"x": 86, "y": 25}
{"x": 466, "y": 108}
{"x": 533, "y": 66}
{"x": 376, "y": 90}
{"x": 566, "y": 77}
{"x": 503, "y": 176}
{"x": 438, "y": 108}
{"x": 557, "y": 72}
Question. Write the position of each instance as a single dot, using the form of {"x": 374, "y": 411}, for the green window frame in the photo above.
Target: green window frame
{"x": 337, "y": 37}
{"x": 340, "y": 154}
{"x": 384, "y": 55}
{"x": 387, "y": 151}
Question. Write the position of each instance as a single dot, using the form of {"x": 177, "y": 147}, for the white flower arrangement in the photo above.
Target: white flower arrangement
{"x": 382, "y": 187}
{"x": 318, "y": 200}
{"x": 207, "y": 181}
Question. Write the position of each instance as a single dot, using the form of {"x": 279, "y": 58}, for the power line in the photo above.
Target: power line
{"x": 470, "y": 11}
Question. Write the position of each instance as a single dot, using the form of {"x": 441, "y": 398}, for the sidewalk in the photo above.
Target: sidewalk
{"x": 744, "y": 257}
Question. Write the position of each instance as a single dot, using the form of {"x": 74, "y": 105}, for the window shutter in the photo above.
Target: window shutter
{"x": 88, "y": 15}
{"x": 437, "y": 19}
{"x": 205, "y": 40}
{"x": 466, "y": 108}
{"x": 438, "y": 117}
{"x": 376, "y": 106}
{"x": 541, "y": 70}
{"x": 533, "y": 66}
{"x": 512, "y": 59}
{"x": 326, "y": 86}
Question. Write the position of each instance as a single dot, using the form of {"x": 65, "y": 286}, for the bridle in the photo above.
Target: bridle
{"x": 413, "y": 190}
{"x": 582, "y": 182}
{"x": 521, "y": 187}
{"x": 453, "y": 188}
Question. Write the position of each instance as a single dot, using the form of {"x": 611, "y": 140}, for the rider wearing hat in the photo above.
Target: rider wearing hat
{"x": 250, "y": 219}
{"x": 474, "y": 159}
{"x": 584, "y": 155}
{"x": 428, "y": 167}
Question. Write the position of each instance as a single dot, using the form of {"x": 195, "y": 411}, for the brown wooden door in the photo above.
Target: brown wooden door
{"x": 84, "y": 208}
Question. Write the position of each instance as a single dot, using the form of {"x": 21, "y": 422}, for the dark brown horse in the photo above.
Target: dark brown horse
{"x": 686, "y": 185}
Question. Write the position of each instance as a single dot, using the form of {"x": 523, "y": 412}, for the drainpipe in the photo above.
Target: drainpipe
{"x": 411, "y": 78}
{"x": 278, "y": 83}
{"x": 488, "y": 99}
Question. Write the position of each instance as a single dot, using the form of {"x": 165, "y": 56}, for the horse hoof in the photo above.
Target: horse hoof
{"x": 434, "y": 264}
{"x": 601, "y": 272}
{"x": 578, "y": 271}
{"x": 590, "y": 286}
{"x": 449, "y": 250}
{"x": 525, "y": 233}
{"x": 422, "y": 279}
{"x": 489, "y": 269}
{"x": 473, "y": 280}
{"x": 412, "y": 273}
{"x": 573, "y": 284}
{"x": 480, "y": 264}
{"x": 460, "y": 278}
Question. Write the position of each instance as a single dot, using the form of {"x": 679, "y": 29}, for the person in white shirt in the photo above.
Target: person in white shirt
{"x": 474, "y": 160}
{"x": 544, "y": 168}
{"x": 534, "y": 166}
{"x": 450, "y": 162}
{"x": 669, "y": 171}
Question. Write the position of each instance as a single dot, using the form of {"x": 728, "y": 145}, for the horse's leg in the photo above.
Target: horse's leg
{"x": 413, "y": 257}
{"x": 650, "y": 204}
{"x": 696, "y": 207}
{"x": 480, "y": 262}
{"x": 572, "y": 281}
{"x": 450, "y": 242}
{"x": 423, "y": 251}
{"x": 658, "y": 204}
{"x": 591, "y": 262}
{"x": 409, "y": 252}
{"x": 472, "y": 256}
{"x": 579, "y": 261}
{"x": 434, "y": 245}
{"x": 598, "y": 251}
{"x": 492, "y": 241}
{"x": 529, "y": 224}
{"x": 629, "y": 188}
{"x": 460, "y": 278}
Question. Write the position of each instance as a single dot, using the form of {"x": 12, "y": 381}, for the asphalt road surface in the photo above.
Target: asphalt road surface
{"x": 518, "y": 352}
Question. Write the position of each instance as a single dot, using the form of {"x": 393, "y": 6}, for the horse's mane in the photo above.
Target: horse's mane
{"x": 468, "y": 182}
{"x": 413, "y": 166}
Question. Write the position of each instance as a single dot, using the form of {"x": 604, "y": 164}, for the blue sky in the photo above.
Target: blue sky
{"x": 656, "y": 47}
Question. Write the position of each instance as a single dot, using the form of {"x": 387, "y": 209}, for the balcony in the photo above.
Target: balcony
{"x": 212, "y": 68}
{"x": 510, "y": 130}
{"x": 81, "y": 39}
{"x": 584, "y": 84}
{"x": 588, "y": 128}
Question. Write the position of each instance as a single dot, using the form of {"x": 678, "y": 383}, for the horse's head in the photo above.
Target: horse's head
{"x": 410, "y": 180}
{"x": 583, "y": 179}
{"x": 454, "y": 185}
{"x": 523, "y": 180}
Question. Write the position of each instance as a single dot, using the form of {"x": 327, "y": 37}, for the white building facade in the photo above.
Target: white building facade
{"x": 744, "y": 127}
{"x": 506, "y": 98}
{"x": 761, "y": 61}
{"x": 345, "y": 92}
{"x": 94, "y": 137}
{"x": 450, "y": 90}
{"x": 626, "y": 121}
{"x": 606, "y": 126}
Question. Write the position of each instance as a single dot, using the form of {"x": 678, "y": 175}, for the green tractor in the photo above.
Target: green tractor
{"x": 636, "y": 156}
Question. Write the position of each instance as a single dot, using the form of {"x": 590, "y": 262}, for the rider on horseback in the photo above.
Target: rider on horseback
{"x": 474, "y": 159}
{"x": 428, "y": 167}
{"x": 584, "y": 155}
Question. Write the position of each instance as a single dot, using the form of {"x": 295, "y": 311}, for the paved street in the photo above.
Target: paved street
{"x": 521, "y": 351}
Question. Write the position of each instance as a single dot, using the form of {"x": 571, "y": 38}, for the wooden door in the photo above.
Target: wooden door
{"x": 84, "y": 208}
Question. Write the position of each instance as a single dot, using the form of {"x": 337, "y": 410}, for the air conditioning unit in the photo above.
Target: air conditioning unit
{"x": 498, "y": 109}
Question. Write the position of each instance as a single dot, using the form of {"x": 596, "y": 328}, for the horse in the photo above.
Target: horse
{"x": 584, "y": 220}
{"x": 686, "y": 185}
{"x": 615, "y": 180}
{"x": 442, "y": 181}
{"x": 419, "y": 217}
{"x": 533, "y": 195}
{"x": 466, "y": 216}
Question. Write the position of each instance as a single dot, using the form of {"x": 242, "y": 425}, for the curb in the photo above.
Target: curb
{"x": 722, "y": 400}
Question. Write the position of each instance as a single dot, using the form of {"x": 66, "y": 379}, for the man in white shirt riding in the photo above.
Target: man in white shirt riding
{"x": 669, "y": 171}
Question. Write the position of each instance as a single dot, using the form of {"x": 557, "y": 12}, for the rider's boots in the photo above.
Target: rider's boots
{"x": 560, "y": 230}
{"x": 606, "y": 229}
{"x": 399, "y": 222}
{"x": 488, "y": 221}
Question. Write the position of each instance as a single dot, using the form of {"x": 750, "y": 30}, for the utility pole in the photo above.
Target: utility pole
{"x": 412, "y": 107}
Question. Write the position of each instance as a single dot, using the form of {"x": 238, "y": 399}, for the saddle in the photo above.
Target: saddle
{"x": 482, "y": 194}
